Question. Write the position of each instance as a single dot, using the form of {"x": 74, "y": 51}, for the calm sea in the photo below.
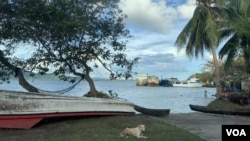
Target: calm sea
{"x": 175, "y": 98}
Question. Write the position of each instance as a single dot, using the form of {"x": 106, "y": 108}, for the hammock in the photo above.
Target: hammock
{"x": 63, "y": 91}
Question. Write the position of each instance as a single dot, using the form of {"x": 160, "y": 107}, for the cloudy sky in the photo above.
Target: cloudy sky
{"x": 155, "y": 25}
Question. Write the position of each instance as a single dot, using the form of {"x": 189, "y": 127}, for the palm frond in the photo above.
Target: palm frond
{"x": 199, "y": 34}
{"x": 230, "y": 49}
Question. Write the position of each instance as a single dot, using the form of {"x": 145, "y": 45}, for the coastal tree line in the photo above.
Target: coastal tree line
{"x": 79, "y": 36}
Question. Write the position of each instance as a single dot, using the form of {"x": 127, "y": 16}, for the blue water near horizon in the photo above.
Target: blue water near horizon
{"x": 175, "y": 98}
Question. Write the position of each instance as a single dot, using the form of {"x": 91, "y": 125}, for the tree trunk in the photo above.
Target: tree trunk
{"x": 217, "y": 72}
{"x": 18, "y": 73}
{"x": 247, "y": 59}
{"x": 24, "y": 83}
{"x": 93, "y": 91}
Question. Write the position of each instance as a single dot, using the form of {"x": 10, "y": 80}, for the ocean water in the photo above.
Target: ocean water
{"x": 175, "y": 98}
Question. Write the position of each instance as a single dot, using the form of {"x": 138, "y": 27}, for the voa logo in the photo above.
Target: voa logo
{"x": 236, "y": 132}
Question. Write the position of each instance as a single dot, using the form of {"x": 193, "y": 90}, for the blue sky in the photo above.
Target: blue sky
{"x": 155, "y": 25}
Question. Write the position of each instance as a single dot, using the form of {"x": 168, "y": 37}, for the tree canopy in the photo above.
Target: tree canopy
{"x": 236, "y": 15}
{"x": 201, "y": 34}
{"x": 72, "y": 36}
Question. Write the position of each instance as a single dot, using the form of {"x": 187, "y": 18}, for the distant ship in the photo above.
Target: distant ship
{"x": 153, "y": 81}
{"x": 145, "y": 80}
{"x": 166, "y": 82}
{"x": 141, "y": 80}
{"x": 192, "y": 82}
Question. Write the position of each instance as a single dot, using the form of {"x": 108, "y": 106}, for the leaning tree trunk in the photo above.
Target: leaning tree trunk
{"x": 24, "y": 83}
{"x": 92, "y": 92}
{"x": 18, "y": 73}
{"x": 217, "y": 72}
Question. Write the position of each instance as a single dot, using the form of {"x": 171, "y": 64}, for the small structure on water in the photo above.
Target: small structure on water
{"x": 165, "y": 83}
{"x": 141, "y": 80}
{"x": 153, "y": 81}
{"x": 145, "y": 80}
{"x": 192, "y": 82}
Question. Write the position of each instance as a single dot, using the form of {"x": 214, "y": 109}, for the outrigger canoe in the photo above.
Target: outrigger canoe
{"x": 205, "y": 109}
{"x": 152, "y": 112}
{"x": 23, "y": 110}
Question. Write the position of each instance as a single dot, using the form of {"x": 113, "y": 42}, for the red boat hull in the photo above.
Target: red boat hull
{"x": 27, "y": 121}
{"x": 23, "y": 110}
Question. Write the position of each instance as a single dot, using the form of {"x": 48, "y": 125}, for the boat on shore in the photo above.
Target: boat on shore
{"x": 192, "y": 82}
{"x": 152, "y": 112}
{"x": 223, "y": 111}
{"x": 23, "y": 110}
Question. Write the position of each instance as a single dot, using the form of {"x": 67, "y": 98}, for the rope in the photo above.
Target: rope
{"x": 63, "y": 91}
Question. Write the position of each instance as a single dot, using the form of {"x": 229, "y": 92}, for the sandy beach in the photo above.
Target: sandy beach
{"x": 207, "y": 126}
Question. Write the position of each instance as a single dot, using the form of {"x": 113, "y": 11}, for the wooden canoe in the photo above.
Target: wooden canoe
{"x": 23, "y": 110}
{"x": 205, "y": 109}
{"x": 152, "y": 112}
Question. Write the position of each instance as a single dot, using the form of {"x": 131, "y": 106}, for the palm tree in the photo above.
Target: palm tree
{"x": 237, "y": 29}
{"x": 200, "y": 34}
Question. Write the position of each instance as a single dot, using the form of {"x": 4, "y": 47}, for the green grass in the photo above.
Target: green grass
{"x": 109, "y": 128}
{"x": 99, "y": 129}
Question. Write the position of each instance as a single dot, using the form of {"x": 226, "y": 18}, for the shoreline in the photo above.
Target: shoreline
{"x": 207, "y": 126}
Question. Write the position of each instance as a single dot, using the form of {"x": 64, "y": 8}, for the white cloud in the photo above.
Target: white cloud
{"x": 149, "y": 15}
{"x": 186, "y": 10}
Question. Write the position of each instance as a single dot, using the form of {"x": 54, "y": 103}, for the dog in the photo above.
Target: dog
{"x": 137, "y": 132}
